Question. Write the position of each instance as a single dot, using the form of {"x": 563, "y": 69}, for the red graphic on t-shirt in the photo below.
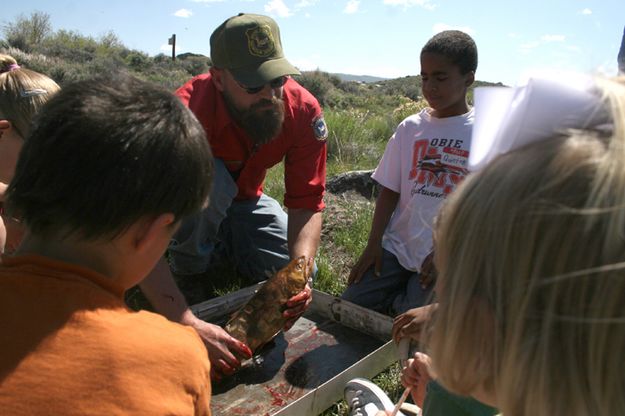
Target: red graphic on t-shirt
{"x": 429, "y": 170}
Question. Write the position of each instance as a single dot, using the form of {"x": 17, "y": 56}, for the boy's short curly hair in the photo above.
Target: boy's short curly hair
{"x": 456, "y": 45}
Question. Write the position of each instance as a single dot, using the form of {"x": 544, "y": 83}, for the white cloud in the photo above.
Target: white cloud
{"x": 305, "y": 3}
{"x": 351, "y": 7}
{"x": 278, "y": 7}
{"x": 183, "y": 13}
{"x": 553, "y": 38}
{"x": 426, "y": 4}
{"x": 439, "y": 27}
{"x": 208, "y": 1}
{"x": 514, "y": 35}
{"x": 585, "y": 11}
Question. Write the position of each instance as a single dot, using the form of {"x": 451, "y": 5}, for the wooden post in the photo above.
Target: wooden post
{"x": 172, "y": 41}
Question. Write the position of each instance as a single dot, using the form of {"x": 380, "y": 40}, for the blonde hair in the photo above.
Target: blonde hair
{"x": 22, "y": 93}
{"x": 531, "y": 258}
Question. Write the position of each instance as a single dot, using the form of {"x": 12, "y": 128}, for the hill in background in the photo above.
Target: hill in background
{"x": 367, "y": 79}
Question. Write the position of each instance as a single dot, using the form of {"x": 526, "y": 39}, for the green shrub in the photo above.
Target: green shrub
{"x": 138, "y": 61}
{"x": 196, "y": 65}
{"x": 70, "y": 46}
{"x": 26, "y": 33}
{"x": 318, "y": 83}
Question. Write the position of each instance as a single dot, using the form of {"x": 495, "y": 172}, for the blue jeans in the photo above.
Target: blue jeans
{"x": 393, "y": 292}
{"x": 251, "y": 233}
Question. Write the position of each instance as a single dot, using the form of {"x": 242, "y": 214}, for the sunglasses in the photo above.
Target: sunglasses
{"x": 274, "y": 83}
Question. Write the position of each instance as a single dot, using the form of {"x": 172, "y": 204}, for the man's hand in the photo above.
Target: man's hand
{"x": 296, "y": 306}
{"x": 410, "y": 323}
{"x": 371, "y": 256}
{"x": 223, "y": 349}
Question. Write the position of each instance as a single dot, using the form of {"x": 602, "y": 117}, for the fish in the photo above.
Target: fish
{"x": 260, "y": 319}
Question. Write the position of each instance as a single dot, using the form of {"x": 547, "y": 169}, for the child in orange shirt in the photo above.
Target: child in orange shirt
{"x": 105, "y": 177}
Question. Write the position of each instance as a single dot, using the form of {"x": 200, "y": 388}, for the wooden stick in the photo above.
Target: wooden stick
{"x": 401, "y": 401}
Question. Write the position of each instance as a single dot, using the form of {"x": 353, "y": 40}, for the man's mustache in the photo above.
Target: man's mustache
{"x": 263, "y": 103}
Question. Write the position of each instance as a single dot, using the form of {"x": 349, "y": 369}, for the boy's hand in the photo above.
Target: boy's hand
{"x": 296, "y": 306}
{"x": 371, "y": 256}
{"x": 222, "y": 349}
{"x": 410, "y": 323}
{"x": 428, "y": 273}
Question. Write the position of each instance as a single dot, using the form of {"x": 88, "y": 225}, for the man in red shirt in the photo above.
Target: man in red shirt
{"x": 255, "y": 116}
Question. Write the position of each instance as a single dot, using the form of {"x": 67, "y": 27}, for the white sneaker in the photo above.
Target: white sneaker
{"x": 366, "y": 399}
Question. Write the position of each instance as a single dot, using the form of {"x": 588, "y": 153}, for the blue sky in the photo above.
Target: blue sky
{"x": 367, "y": 37}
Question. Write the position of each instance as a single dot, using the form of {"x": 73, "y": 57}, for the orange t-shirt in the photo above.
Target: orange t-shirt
{"x": 70, "y": 346}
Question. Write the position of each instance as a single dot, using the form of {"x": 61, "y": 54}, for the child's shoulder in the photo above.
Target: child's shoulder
{"x": 422, "y": 116}
{"x": 150, "y": 341}
{"x": 157, "y": 331}
{"x": 147, "y": 338}
{"x": 424, "y": 120}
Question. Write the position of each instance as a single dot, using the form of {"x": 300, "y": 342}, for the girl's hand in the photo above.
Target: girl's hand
{"x": 417, "y": 374}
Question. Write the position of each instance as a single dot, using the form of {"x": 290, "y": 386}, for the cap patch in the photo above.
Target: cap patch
{"x": 320, "y": 129}
{"x": 260, "y": 41}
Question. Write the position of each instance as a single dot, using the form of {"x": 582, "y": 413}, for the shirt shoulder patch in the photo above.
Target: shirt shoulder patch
{"x": 320, "y": 129}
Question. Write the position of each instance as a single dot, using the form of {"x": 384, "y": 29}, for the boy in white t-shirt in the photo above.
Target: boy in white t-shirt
{"x": 423, "y": 162}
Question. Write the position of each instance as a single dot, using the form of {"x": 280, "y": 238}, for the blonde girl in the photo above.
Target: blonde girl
{"x": 531, "y": 255}
{"x": 22, "y": 93}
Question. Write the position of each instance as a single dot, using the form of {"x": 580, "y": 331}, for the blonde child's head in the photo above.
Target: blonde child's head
{"x": 22, "y": 93}
{"x": 531, "y": 255}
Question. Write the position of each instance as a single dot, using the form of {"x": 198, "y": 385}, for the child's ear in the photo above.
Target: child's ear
{"x": 470, "y": 78}
{"x": 153, "y": 229}
{"x": 5, "y": 126}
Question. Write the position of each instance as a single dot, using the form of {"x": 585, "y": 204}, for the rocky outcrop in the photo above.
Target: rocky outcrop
{"x": 358, "y": 181}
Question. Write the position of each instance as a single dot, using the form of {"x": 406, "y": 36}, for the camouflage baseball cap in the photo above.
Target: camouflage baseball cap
{"x": 249, "y": 46}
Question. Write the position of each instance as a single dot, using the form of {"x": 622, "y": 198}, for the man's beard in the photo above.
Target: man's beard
{"x": 262, "y": 121}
